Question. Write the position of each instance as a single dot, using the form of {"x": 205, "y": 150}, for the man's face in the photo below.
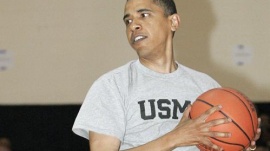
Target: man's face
{"x": 3, "y": 148}
{"x": 148, "y": 29}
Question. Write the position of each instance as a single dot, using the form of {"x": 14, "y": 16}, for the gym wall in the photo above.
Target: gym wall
{"x": 52, "y": 51}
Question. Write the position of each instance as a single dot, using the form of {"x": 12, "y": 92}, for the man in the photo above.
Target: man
{"x": 139, "y": 105}
{"x": 5, "y": 144}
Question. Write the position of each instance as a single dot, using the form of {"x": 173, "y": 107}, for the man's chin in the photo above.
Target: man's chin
{"x": 139, "y": 50}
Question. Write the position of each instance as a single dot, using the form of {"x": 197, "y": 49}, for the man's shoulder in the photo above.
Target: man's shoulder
{"x": 119, "y": 72}
{"x": 192, "y": 71}
{"x": 199, "y": 77}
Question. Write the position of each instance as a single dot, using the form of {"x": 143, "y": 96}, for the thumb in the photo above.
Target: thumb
{"x": 186, "y": 113}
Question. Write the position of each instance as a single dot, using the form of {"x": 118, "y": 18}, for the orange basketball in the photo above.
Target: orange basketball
{"x": 236, "y": 106}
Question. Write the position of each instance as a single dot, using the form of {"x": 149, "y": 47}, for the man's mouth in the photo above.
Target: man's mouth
{"x": 138, "y": 38}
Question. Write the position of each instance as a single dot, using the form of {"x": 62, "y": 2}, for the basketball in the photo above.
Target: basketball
{"x": 236, "y": 106}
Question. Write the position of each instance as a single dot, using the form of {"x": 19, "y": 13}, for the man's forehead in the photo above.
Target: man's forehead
{"x": 136, "y": 5}
{"x": 126, "y": 15}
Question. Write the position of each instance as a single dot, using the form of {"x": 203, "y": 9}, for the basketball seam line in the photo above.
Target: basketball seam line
{"x": 227, "y": 117}
{"x": 229, "y": 142}
{"x": 246, "y": 107}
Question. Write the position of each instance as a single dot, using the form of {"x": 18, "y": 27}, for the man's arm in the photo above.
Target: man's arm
{"x": 101, "y": 142}
{"x": 187, "y": 133}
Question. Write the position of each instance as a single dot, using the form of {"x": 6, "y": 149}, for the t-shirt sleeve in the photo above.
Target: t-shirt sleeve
{"x": 102, "y": 111}
{"x": 210, "y": 83}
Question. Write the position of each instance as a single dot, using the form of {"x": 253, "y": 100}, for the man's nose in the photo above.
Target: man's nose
{"x": 135, "y": 25}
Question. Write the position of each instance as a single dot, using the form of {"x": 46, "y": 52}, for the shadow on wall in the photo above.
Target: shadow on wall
{"x": 192, "y": 44}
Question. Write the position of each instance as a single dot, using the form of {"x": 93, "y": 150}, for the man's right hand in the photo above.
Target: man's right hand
{"x": 197, "y": 131}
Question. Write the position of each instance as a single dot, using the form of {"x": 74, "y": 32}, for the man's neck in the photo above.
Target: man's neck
{"x": 160, "y": 65}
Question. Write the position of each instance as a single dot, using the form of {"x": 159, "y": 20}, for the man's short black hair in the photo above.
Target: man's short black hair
{"x": 168, "y": 6}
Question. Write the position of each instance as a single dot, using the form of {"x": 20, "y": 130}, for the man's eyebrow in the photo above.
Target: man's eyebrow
{"x": 143, "y": 10}
{"x": 138, "y": 11}
{"x": 126, "y": 16}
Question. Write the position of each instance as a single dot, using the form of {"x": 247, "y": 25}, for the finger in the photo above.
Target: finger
{"x": 207, "y": 113}
{"x": 217, "y": 122}
{"x": 217, "y": 134}
{"x": 186, "y": 113}
{"x": 253, "y": 143}
{"x": 259, "y": 122}
{"x": 251, "y": 148}
{"x": 210, "y": 146}
{"x": 258, "y": 134}
{"x": 206, "y": 127}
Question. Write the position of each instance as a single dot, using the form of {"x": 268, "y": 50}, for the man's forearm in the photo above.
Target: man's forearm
{"x": 164, "y": 143}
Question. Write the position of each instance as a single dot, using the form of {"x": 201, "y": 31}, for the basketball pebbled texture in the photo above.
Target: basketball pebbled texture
{"x": 236, "y": 106}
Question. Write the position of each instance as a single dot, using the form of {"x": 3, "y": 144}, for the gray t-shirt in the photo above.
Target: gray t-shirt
{"x": 137, "y": 105}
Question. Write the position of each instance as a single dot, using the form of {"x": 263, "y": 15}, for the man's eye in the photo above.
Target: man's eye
{"x": 128, "y": 21}
{"x": 145, "y": 15}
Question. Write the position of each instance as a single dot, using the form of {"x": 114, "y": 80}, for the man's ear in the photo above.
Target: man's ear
{"x": 175, "y": 22}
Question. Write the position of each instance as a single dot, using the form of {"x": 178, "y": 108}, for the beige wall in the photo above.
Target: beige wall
{"x": 60, "y": 47}
{"x": 212, "y": 29}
